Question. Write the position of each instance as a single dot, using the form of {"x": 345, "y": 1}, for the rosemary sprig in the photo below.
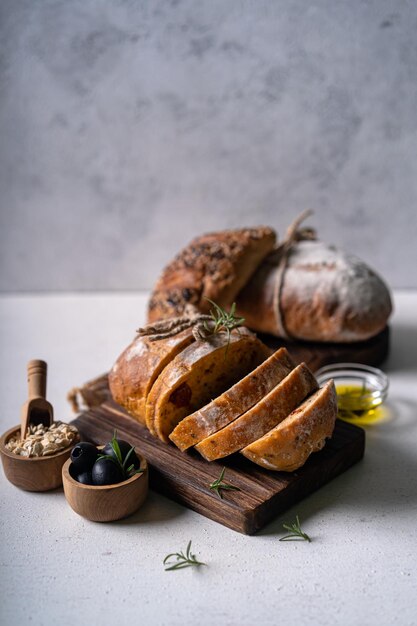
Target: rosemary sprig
{"x": 220, "y": 321}
{"x": 223, "y": 321}
{"x": 295, "y": 532}
{"x": 182, "y": 560}
{"x": 118, "y": 458}
{"x": 218, "y": 485}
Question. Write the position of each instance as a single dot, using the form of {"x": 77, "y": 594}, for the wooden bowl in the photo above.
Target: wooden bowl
{"x": 106, "y": 503}
{"x": 33, "y": 474}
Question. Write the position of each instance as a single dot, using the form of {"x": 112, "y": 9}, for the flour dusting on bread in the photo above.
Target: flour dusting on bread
{"x": 330, "y": 294}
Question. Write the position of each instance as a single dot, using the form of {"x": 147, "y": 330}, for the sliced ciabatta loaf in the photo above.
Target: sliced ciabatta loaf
{"x": 233, "y": 402}
{"x": 199, "y": 373}
{"x": 258, "y": 420}
{"x": 215, "y": 266}
{"x": 287, "y": 446}
{"x": 137, "y": 368}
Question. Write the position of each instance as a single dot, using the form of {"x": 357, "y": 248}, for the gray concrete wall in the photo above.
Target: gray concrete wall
{"x": 128, "y": 127}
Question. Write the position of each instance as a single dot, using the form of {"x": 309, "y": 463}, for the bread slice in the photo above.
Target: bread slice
{"x": 137, "y": 368}
{"x": 258, "y": 420}
{"x": 199, "y": 373}
{"x": 215, "y": 266}
{"x": 233, "y": 402}
{"x": 287, "y": 446}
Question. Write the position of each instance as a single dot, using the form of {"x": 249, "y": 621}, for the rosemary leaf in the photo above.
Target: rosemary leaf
{"x": 219, "y": 485}
{"x": 127, "y": 456}
{"x": 182, "y": 561}
{"x": 115, "y": 445}
{"x": 107, "y": 456}
{"x": 295, "y": 532}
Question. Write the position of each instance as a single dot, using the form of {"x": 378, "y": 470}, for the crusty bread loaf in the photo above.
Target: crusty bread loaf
{"x": 326, "y": 295}
{"x": 199, "y": 373}
{"x": 288, "y": 445}
{"x": 259, "y": 414}
{"x": 137, "y": 368}
{"x": 258, "y": 420}
{"x": 214, "y": 266}
{"x": 233, "y": 402}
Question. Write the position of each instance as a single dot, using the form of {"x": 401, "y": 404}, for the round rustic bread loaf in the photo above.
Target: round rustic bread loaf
{"x": 214, "y": 266}
{"x": 325, "y": 295}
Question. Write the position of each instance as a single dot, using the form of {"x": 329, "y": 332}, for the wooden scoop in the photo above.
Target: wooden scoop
{"x": 37, "y": 410}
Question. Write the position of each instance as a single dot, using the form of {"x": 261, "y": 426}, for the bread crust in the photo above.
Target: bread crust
{"x": 136, "y": 369}
{"x": 287, "y": 447}
{"x": 326, "y": 295}
{"x": 214, "y": 266}
{"x": 198, "y": 373}
{"x": 233, "y": 402}
{"x": 258, "y": 420}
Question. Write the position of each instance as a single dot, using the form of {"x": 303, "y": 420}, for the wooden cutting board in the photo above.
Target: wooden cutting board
{"x": 185, "y": 476}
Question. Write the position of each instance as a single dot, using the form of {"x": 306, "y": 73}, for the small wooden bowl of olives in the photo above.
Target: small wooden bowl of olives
{"x": 105, "y": 483}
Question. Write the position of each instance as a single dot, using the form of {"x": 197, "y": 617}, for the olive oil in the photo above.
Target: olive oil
{"x": 359, "y": 404}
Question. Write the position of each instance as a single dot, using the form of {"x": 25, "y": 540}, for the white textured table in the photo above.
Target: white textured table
{"x": 57, "y": 568}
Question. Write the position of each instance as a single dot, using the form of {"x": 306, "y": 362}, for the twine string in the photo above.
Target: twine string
{"x": 280, "y": 257}
{"x": 192, "y": 318}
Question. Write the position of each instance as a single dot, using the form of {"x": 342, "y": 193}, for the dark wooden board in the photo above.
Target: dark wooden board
{"x": 371, "y": 352}
{"x": 185, "y": 476}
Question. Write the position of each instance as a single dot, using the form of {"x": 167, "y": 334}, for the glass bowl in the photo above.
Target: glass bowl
{"x": 361, "y": 391}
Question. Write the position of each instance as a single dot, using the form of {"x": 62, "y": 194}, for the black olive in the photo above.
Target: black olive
{"x": 85, "y": 478}
{"x": 83, "y": 456}
{"x": 106, "y": 472}
{"x": 124, "y": 449}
